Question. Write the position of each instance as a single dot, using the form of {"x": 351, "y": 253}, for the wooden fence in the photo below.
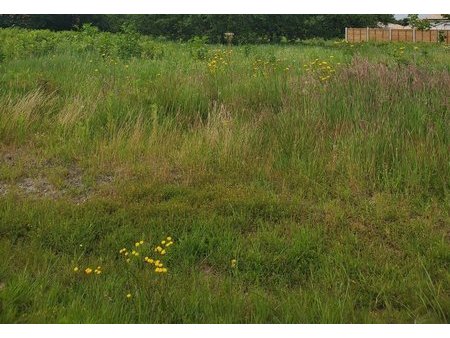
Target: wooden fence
{"x": 399, "y": 35}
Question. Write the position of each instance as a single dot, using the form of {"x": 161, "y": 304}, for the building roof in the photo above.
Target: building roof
{"x": 433, "y": 17}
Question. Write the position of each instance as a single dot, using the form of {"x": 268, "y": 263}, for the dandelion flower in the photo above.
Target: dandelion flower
{"x": 163, "y": 252}
{"x": 136, "y": 244}
{"x": 141, "y": 242}
{"x": 88, "y": 271}
{"x": 233, "y": 263}
{"x": 128, "y": 295}
{"x": 75, "y": 269}
{"x": 163, "y": 242}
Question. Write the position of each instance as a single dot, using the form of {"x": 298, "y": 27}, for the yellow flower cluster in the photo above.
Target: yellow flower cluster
{"x": 220, "y": 60}
{"x": 233, "y": 263}
{"x": 126, "y": 254}
{"x": 89, "y": 270}
{"x": 160, "y": 249}
{"x": 344, "y": 44}
{"x": 323, "y": 70}
{"x": 401, "y": 50}
{"x": 340, "y": 42}
{"x": 159, "y": 267}
{"x": 264, "y": 67}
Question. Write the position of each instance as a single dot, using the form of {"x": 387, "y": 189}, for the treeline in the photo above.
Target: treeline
{"x": 247, "y": 28}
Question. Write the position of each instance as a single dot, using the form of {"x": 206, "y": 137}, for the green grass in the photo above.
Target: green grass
{"x": 332, "y": 194}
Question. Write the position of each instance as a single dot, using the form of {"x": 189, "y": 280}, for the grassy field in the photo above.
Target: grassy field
{"x": 303, "y": 183}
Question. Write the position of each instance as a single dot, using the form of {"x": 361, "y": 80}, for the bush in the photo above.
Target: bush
{"x": 198, "y": 49}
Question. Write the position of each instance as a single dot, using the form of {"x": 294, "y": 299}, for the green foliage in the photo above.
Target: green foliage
{"x": 198, "y": 48}
{"x": 416, "y": 22}
{"x": 247, "y": 28}
{"x": 128, "y": 44}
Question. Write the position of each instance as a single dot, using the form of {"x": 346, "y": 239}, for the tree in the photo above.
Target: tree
{"x": 416, "y": 22}
{"x": 247, "y": 28}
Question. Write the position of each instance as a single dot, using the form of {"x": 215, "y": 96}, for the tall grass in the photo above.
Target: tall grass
{"x": 331, "y": 193}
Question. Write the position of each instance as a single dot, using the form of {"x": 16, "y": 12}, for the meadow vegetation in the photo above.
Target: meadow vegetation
{"x": 298, "y": 183}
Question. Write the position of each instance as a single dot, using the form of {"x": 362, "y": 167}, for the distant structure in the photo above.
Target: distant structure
{"x": 438, "y": 31}
{"x": 437, "y": 21}
{"x": 229, "y": 37}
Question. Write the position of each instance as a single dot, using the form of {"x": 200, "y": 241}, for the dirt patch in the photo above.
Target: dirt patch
{"x": 74, "y": 178}
{"x": 8, "y": 159}
{"x": 105, "y": 179}
{"x": 207, "y": 269}
{"x": 39, "y": 187}
{"x": 3, "y": 189}
{"x": 50, "y": 178}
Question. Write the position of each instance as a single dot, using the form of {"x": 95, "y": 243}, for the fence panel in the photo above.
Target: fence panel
{"x": 398, "y": 35}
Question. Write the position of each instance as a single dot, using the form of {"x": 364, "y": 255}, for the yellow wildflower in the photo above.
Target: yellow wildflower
{"x": 75, "y": 269}
{"x": 88, "y": 271}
